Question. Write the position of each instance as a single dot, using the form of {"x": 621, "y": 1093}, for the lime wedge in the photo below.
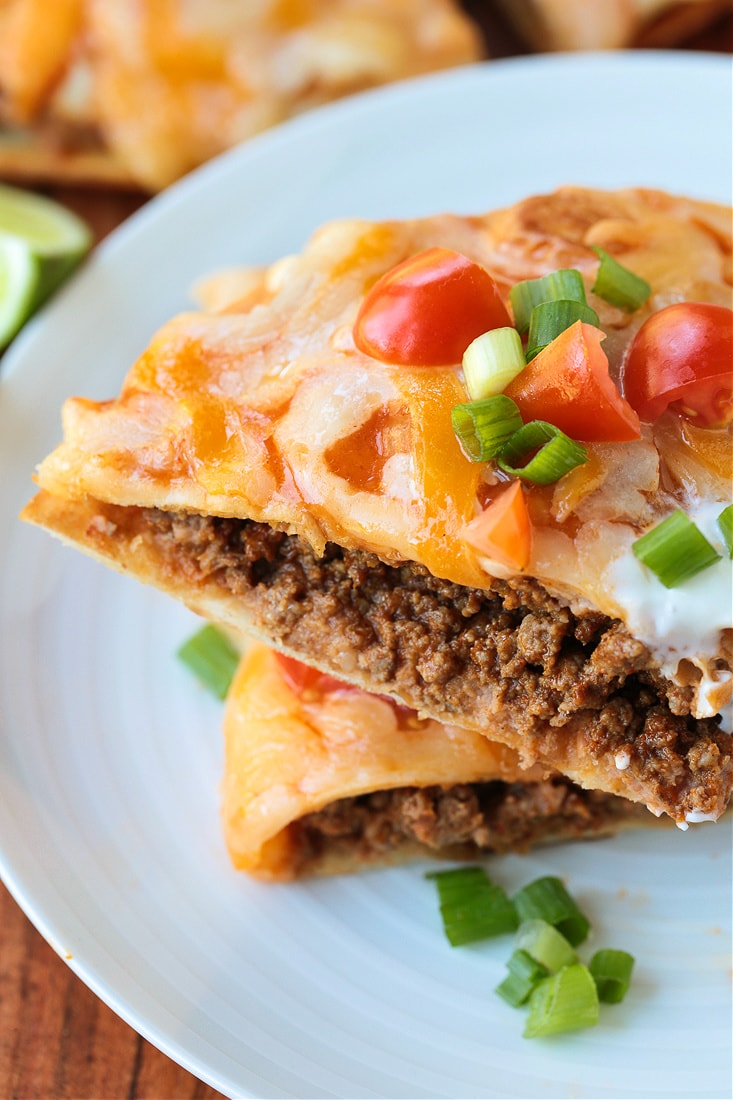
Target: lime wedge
{"x": 19, "y": 283}
{"x": 41, "y": 243}
{"x": 48, "y": 228}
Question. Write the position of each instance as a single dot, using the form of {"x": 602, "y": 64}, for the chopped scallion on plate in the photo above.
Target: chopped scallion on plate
{"x": 547, "y": 899}
{"x": 611, "y": 970}
{"x": 524, "y": 974}
{"x": 545, "y": 944}
{"x": 566, "y": 1001}
{"x": 472, "y": 906}
{"x": 544, "y": 970}
{"x": 212, "y": 658}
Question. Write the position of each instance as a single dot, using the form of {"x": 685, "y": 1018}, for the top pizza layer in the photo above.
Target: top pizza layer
{"x": 264, "y": 408}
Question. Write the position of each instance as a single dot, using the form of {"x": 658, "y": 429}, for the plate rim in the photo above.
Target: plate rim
{"x": 187, "y": 190}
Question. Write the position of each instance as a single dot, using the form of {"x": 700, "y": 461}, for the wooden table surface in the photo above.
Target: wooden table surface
{"x": 57, "y": 1039}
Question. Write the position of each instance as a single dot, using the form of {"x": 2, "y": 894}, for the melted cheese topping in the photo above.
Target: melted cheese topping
{"x": 266, "y": 410}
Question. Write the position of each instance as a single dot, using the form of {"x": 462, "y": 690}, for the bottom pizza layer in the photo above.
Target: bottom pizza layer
{"x": 321, "y": 777}
{"x": 458, "y": 822}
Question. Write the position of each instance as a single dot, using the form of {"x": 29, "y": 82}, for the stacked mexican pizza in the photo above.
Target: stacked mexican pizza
{"x": 313, "y": 459}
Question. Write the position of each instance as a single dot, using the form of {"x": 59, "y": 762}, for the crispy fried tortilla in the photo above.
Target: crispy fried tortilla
{"x": 259, "y": 467}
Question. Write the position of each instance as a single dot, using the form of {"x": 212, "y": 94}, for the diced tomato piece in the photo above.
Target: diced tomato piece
{"x": 682, "y": 357}
{"x": 301, "y": 678}
{"x": 568, "y": 384}
{"x": 426, "y": 311}
{"x": 503, "y": 531}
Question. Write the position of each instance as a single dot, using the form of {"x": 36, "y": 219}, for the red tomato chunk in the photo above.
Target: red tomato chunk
{"x": 426, "y": 311}
{"x": 682, "y": 357}
{"x": 568, "y": 384}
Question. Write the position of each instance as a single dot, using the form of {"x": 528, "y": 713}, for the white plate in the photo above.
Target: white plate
{"x": 110, "y": 756}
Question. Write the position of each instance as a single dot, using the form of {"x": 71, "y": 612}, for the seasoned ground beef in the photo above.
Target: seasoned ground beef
{"x": 462, "y": 820}
{"x": 440, "y": 645}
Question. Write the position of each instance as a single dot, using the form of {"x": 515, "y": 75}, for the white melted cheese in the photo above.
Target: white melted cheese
{"x": 683, "y": 623}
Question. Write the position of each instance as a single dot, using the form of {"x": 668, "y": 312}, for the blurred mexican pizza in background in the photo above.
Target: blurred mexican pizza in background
{"x": 108, "y": 91}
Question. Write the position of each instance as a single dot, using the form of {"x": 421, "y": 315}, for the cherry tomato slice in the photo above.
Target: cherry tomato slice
{"x": 426, "y": 311}
{"x": 568, "y": 384}
{"x": 683, "y": 356}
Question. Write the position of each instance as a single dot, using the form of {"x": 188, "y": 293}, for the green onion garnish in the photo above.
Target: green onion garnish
{"x": 483, "y": 427}
{"x": 611, "y": 971}
{"x": 675, "y": 550}
{"x": 544, "y": 968}
{"x": 472, "y": 906}
{"x": 619, "y": 286}
{"x": 540, "y": 452}
{"x": 524, "y": 974}
{"x": 548, "y": 899}
{"x": 212, "y": 658}
{"x": 545, "y": 944}
{"x": 525, "y": 296}
{"x": 725, "y": 523}
{"x": 566, "y": 1001}
{"x": 492, "y": 361}
{"x": 549, "y": 319}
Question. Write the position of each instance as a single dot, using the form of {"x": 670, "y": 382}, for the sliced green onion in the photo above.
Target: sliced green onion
{"x": 545, "y": 944}
{"x": 548, "y": 899}
{"x": 675, "y": 550}
{"x": 212, "y": 658}
{"x": 524, "y": 974}
{"x": 566, "y": 1001}
{"x": 472, "y": 906}
{"x": 619, "y": 286}
{"x": 725, "y": 523}
{"x": 483, "y": 427}
{"x": 525, "y": 296}
{"x": 611, "y": 971}
{"x": 549, "y": 319}
{"x": 541, "y": 453}
{"x": 453, "y": 883}
{"x": 492, "y": 361}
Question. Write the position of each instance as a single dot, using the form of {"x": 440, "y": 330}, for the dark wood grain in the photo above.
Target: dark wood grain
{"x": 58, "y": 1041}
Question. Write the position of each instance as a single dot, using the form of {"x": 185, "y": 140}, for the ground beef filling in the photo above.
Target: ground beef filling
{"x": 465, "y": 820}
{"x": 444, "y": 644}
